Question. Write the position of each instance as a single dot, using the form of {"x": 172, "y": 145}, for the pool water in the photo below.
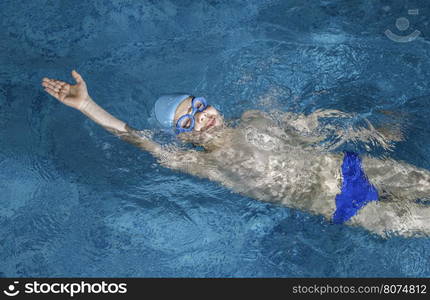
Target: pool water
{"x": 76, "y": 201}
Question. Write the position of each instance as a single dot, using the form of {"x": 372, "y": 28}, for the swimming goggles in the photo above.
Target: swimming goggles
{"x": 186, "y": 122}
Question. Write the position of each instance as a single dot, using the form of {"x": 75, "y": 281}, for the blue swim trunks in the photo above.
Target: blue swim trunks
{"x": 356, "y": 190}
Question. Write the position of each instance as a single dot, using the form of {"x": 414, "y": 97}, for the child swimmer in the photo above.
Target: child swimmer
{"x": 265, "y": 161}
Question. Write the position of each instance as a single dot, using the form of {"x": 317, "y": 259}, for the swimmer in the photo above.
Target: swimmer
{"x": 274, "y": 161}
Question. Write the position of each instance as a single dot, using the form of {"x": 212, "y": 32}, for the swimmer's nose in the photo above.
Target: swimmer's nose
{"x": 201, "y": 116}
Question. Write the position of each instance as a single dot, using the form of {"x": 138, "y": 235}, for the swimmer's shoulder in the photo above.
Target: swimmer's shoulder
{"x": 252, "y": 113}
{"x": 256, "y": 119}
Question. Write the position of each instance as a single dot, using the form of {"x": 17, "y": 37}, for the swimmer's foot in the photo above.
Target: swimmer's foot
{"x": 71, "y": 95}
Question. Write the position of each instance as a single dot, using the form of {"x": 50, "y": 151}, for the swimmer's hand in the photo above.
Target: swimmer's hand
{"x": 75, "y": 96}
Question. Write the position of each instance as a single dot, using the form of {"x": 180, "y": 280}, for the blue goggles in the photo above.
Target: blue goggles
{"x": 186, "y": 122}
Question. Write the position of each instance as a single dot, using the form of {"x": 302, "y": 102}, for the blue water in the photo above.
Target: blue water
{"x": 76, "y": 201}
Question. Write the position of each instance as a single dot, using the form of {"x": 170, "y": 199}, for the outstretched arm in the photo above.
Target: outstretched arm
{"x": 312, "y": 132}
{"x": 76, "y": 96}
{"x": 383, "y": 136}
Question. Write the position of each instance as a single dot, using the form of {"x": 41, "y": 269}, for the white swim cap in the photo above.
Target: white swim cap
{"x": 165, "y": 108}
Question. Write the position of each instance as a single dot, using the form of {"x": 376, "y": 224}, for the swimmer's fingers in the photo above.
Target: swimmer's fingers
{"x": 64, "y": 92}
{"x": 58, "y": 84}
{"x": 78, "y": 78}
{"x": 53, "y": 93}
{"x": 53, "y": 83}
{"x": 57, "y": 89}
{"x": 58, "y": 94}
{"x": 70, "y": 95}
{"x": 330, "y": 113}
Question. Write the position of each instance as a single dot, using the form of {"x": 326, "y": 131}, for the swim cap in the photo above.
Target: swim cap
{"x": 165, "y": 108}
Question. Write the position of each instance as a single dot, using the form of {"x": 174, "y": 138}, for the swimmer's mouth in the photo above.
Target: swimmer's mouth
{"x": 211, "y": 123}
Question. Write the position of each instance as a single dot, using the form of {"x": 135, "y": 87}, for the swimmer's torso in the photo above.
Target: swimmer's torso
{"x": 263, "y": 161}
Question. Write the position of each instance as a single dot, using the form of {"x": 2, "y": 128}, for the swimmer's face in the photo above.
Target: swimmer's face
{"x": 203, "y": 121}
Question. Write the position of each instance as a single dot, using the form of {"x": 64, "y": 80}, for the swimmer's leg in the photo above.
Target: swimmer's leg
{"x": 394, "y": 217}
{"x": 397, "y": 180}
